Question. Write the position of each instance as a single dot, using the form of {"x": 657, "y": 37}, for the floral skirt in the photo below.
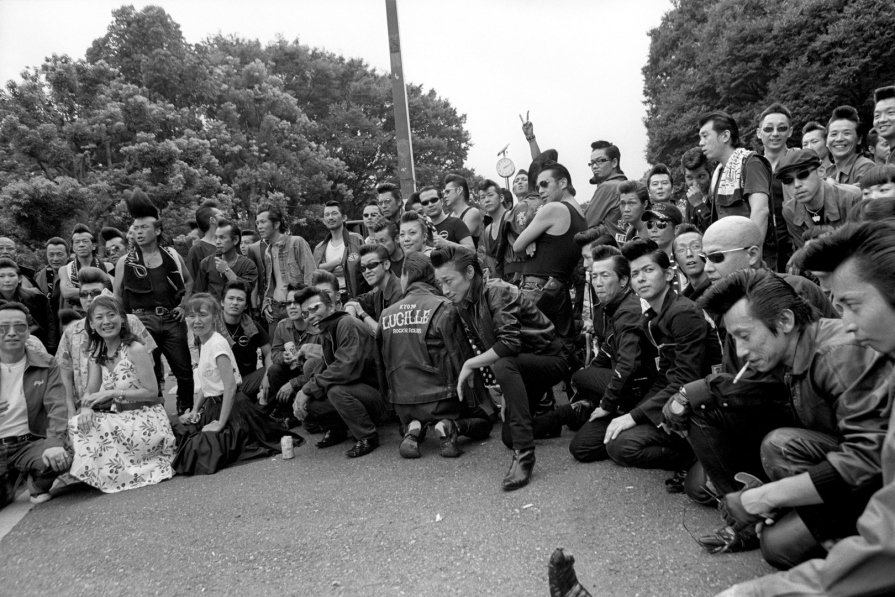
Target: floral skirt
{"x": 123, "y": 450}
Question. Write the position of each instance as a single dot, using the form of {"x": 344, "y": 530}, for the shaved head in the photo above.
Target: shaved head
{"x": 740, "y": 237}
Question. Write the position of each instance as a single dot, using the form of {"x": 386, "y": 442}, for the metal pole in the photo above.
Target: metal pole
{"x": 399, "y": 95}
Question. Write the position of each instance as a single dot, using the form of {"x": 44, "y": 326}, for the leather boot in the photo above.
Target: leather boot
{"x": 520, "y": 470}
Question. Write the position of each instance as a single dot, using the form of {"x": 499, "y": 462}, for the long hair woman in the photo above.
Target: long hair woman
{"x": 223, "y": 426}
{"x": 121, "y": 437}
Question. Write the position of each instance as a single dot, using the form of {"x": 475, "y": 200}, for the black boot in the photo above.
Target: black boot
{"x": 520, "y": 470}
{"x": 563, "y": 581}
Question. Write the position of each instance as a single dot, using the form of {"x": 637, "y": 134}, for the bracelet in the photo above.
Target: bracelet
{"x": 529, "y": 138}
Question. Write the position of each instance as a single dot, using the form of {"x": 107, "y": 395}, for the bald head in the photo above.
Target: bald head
{"x": 7, "y": 248}
{"x": 739, "y": 238}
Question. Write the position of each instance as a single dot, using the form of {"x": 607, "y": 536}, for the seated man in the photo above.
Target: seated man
{"x": 423, "y": 349}
{"x": 344, "y": 394}
{"x": 289, "y": 369}
{"x": 817, "y": 435}
{"x": 245, "y": 338}
{"x": 688, "y": 349}
{"x": 41, "y": 320}
{"x": 73, "y": 355}
{"x": 516, "y": 348}
{"x": 376, "y": 268}
{"x": 33, "y": 414}
{"x": 623, "y": 370}
{"x": 857, "y": 260}
{"x": 687, "y": 249}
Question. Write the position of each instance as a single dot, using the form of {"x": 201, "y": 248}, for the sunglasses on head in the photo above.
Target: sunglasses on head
{"x": 656, "y": 224}
{"x": 370, "y": 266}
{"x": 788, "y": 180}
{"x": 719, "y": 256}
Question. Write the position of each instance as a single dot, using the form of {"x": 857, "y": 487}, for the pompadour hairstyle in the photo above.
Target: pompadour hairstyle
{"x": 597, "y": 234}
{"x": 775, "y": 108}
{"x": 635, "y": 187}
{"x": 845, "y": 113}
{"x": 321, "y": 276}
{"x": 814, "y": 126}
{"x": 878, "y": 175}
{"x": 140, "y": 206}
{"x": 237, "y": 285}
{"x": 458, "y": 257}
{"x": 235, "y": 232}
{"x": 56, "y": 240}
{"x": 204, "y": 213}
{"x": 620, "y": 265}
{"x": 384, "y": 224}
{"x": 83, "y": 229}
{"x": 869, "y": 245}
{"x": 94, "y": 275}
{"x": 334, "y": 204}
{"x": 108, "y": 233}
{"x": 558, "y": 172}
{"x": 694, "y": 159}
{"x": 872, "y": 210}
{"x": 458, "y": 180}
{"x": 274, "y": 214}
{"x": 610, "y": 149}
{"x": 884, "y": 93}
{"x": 310, "y": 292}
{"x": 418, "y": 268}
{"x": 660, "y": 169}
{"x": 766, "y": 294}
{"x": 389, "y": 187}
{"x": 378, "y": 250}
{"x": 639, "y": 247}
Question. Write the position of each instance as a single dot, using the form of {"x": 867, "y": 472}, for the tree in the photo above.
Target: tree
{"x": 742, "y": 55}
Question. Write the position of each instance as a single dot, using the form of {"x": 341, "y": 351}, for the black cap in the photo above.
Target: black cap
{"x": 797, "y": 159}
{"x": 666, "y": 212}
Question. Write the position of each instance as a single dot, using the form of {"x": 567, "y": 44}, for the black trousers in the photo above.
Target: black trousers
{"x": 524, "y": 378}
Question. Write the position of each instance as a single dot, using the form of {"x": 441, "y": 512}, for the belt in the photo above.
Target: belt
{"x": 120, "y": 407}
{"x": 160, "y": 311}
{"x": 5, "y": 441}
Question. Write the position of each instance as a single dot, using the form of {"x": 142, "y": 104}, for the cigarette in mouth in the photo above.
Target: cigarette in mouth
{"x": 741, "y": 373}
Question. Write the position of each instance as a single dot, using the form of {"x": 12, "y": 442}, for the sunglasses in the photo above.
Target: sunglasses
{"x": 370, "y": 266}
{"x": 430, "y": 201}
{"x": 543, "y": 183}
{"x": 18, "y": 328}
{"x": 656, "y": 224}
{"x": 788, "y": 180}
{"x": 89, "y": 293}
{"x": 598, "y": 162}
{"x": 311, "y": 309}
{"x": 719, "y": 256}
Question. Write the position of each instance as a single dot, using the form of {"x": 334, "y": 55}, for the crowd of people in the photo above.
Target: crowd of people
{"x": 740, "y": 338}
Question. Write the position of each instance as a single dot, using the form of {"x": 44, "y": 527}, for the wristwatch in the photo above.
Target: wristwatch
{"x": 680, "y": 402}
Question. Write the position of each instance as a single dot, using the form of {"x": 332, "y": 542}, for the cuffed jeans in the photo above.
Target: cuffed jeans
{"x": 524, "y": 378}
{"x": 170, "y": 336}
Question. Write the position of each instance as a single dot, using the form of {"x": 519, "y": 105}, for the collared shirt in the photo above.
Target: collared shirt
{"x": 851, "y": 171}
{"x": 838, "y": 199}
{"x": 209, "y": 279}
{"x": 289, "y": 260}
{"x": 604, "y": 206}
{"x": 73, "y": 354}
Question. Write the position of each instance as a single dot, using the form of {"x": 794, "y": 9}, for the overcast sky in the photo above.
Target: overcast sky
{"x": 574, "y": 64}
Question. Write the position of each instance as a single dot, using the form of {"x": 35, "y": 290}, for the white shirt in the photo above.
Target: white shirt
{"x": 209, "y": 374}
{"x": 332, "y": 252}
{"x": 15, "y": 421}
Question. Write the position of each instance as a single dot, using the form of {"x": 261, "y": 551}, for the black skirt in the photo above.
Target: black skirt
{"x": 248, "y": 434}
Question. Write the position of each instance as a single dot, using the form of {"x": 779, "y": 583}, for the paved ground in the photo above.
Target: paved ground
{"x": 322, "y": 524}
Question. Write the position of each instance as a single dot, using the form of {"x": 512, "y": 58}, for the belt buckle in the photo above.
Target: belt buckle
{"x": 160, "y": 311}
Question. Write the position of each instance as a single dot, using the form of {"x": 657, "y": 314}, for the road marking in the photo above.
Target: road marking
{"x": 13, "y": 513}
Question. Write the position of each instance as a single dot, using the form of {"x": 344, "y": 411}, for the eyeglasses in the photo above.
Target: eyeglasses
{"x": 719, "y": 256}
{"x": 788, "y": 180}
{"x": 370, "y": 266}
{"x": 598, "y": 162}
{"x": 544, "y": 183}
{"x": 18, "y": 328}
{"x": 656, "y": 224}
{"x": 90, "y": 293}
{"x": 430, "y": 201}
{"x": 312, "y": 309}
{"x": 694, "y": 247}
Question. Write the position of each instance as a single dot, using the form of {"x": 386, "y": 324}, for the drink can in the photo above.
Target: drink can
{"x": 286, "y": 447}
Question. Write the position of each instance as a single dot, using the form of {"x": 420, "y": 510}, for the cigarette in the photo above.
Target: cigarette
{"x": 741, "y": 373}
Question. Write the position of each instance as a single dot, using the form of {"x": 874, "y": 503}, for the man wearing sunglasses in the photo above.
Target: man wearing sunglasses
{"x": 375, "y": 265}
{"x": 32, "y": 412}
{"x": 813, "y": 201}
{"x": 343, "y": 396}
{"x": 450, "y": 228}
{"x": 43, "y": 324}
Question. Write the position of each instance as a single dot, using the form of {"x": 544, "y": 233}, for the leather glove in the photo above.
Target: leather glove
{"x": 732, "y": 504}
{"x": 677, "y": 413}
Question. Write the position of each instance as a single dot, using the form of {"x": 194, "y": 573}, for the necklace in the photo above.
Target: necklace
{"x": 815, "y": 215}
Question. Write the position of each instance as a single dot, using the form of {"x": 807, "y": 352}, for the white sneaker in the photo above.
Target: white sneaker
{"x": 36, "y": 496}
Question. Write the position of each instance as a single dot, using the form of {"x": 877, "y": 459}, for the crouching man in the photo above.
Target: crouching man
{"x": 32, "y": 411}
{"x": 424, "y": 348}
{"x": 344, "y": 395}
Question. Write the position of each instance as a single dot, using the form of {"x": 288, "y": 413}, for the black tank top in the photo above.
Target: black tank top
{"x": 475, "y": 239}
{"x": 162, "y": 294}
{"x": 557, "y": 256}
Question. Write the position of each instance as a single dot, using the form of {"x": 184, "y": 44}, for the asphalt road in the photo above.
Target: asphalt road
{"x": 322, "y": 524}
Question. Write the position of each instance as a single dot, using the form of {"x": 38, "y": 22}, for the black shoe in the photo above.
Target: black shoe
{"x": 449, "y": 447}
{"x": 520, "y": 470}
{"x": 676, "y": 483}
{"x": 561, "y": 577}
{"x": 333, "y": 437}
{"x": 727, "y": 540}
{"x": 363, "y": 447}
{"x": 410, "y": 447}
{"x": 291, "y": 422}
{"x": 311, "y": 426}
